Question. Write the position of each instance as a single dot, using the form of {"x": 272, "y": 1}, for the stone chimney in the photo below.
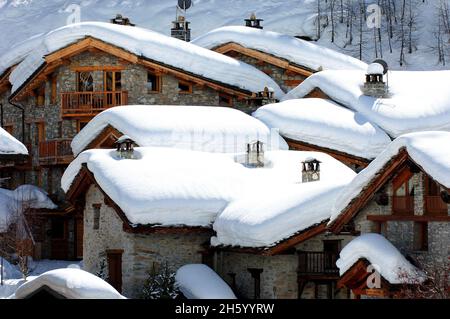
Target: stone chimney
{"x": 253, "y": 22}
{"x": 310, "y": 170}
{"x": 119, "y": 19}
{"x": 125, "y": 147}
{"x": 375, "y": 85}
{"x": 180, "y": 29}
{"x": 255, "y": 154}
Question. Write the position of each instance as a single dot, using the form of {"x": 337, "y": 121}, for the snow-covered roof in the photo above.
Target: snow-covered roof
{"x": 427, "y": 149}
{"x": 148, "y": 44}
{"x": 249, "y": 206}
{"x": 324, "y": 123}
{"x": 198, "y": 281}
{"x": 418, "y": 101}
{"x": 14, "y": 202}
{"x": 202, "y": 128}
{"x": 71, "y": 283}
{"x": 375, "y": 68}
{"x": 10, "y": 145}
{"x": 383, "y": 256}
{"x": 287, "y": 47}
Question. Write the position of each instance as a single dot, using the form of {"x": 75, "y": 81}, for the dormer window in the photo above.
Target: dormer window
{"x": 310, "y": 170}
{"x": 255, "y": 154}
{"x": 125, "y": 147}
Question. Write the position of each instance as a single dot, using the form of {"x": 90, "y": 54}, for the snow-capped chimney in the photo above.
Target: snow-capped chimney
{"x": 125, "y": 147}
{"x": 119, "y": 19}
{"x": 255, "y": 154}
{"x": 253, "y": 22}
{"x": 375, "y": 85}
{"x": 310, "y": 170}
{"x": 267, "y": 96}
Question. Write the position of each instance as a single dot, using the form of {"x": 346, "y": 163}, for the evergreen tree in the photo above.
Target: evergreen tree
{"x": 160, "y": 284}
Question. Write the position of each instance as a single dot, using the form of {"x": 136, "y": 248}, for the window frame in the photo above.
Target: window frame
{"x": 158, "y": 80}
{"x": 226, "y": 96}
{"x": 188, "y": 84}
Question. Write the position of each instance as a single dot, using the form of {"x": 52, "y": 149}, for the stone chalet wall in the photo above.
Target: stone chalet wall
{"x": 279, "y": 276}
{"x": 140, "y": 251}
{"x": 285, "y": 79}
{"x": 401, "y": 233}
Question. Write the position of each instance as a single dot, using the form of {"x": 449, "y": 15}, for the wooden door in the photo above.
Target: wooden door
{"x": 79, "y": 238}
{"x": 59, "y": 242}
{"x": 115, "y": 268}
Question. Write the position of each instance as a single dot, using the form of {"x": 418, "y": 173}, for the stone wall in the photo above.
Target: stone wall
{"x": 140, "y": 252}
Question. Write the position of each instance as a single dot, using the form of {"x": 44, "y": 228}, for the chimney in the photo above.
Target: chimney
{"x": 267, "y": 96}
{"x": 180, "y": 29}
{"x": 255, "y": 154}
{"x": 125, "y": 147}
{"x": 310, "y": 170}
{"x": 119, "y": 19}
{"x": 253, "y": 22}
{"x": 375, "y": 85}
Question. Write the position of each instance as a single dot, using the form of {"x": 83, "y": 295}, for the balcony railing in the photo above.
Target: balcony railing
{"x": 434, "y": 205}
{"x": 55, "y": 152}
{"x": 91, "y": 103}
{"x": 403, "y": 205}
{"x": 317, "y": 263}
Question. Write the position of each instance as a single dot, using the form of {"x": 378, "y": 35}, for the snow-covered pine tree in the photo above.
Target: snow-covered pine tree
{"x": 101, "y": 273}
{"x": 160, "y": 284}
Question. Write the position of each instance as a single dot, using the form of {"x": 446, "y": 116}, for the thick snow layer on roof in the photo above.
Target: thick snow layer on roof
{"x": 152, "y": 45}
{"x": 324, "y": 123}
{"x": 375, "y": 68}
{"x": 419, "y": 101}
{"x": 269, "y": 213}
{"x": 212, "y": 129}
{"x": 295, "y": 50}
{"x": 172, "y": 187}
{"x": 71, "y": 283}
{"x": 383, "y": 256}
{"x": 427, "y": 149}
{"x": 10, "y": 145}
{"x": 198, "y": 281}
{"x": 14, "y": 202}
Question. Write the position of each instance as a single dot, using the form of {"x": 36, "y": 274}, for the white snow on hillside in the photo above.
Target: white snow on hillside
{"x": 10, "y": 145}
{"x": 71, "y": 283}
{"x": 294, "y": 50}
{"x": 15, "y": 202}
{"x": 427, "y": 149}
{"x": 198, "y": 281}
{"x": 418, "y": 101}
{"x": 385, "y": 258}
{"x": 172, "y": 187}
{"x": 324, "y": 123}
{"x": 201, "y": 128}
{"x": 152, "y": 45}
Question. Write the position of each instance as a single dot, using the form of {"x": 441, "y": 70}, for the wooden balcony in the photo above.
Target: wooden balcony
{"x": 435, "y": 206}
{"x": 318, "y": 264}
{"x": 90, "y": 103}
{"x": 403, "y": 205}
{"x": 55, "y": 152}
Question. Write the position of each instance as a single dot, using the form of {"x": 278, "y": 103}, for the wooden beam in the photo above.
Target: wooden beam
{"x": 424, "y": 218}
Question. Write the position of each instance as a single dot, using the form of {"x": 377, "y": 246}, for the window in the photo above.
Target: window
{"x": 225, "y": 100}
{"x": 184, "y": 87}
{"x": 381, "y": 228}
{"x": 96, "y": 208}
{"x": 58, "y": 228}
{"x": 40, "y": 132}
{"x": 421, "y": 236}
{"x": 53, "y": 98}
{"x": 403, "y": 199}
{"x": 85, "y": 81}
{"x": 81, "y": 124}
{"x": 40, "y": 95}
{"x": 434, "y": 205}
{"x": 112, "y": 81}
{"x": 153, "y": 83}
{"x": 256, "y": 275}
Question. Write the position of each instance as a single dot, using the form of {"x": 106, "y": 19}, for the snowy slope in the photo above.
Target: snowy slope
{"x": 326, "y": 124}
{"x": 418, "y": 101}
{"x": 171, "y": 187}
{"x": 427, "y": 149}
{"x": 385, "y": 258}
{"x": 10, "y": 145}
{"x": 201, "y": 128}
{"x": 71, "y": 283}
{"x": 198, "y": 281}
{"x": 148, "y": 44}
{"x": 294, "y": 50}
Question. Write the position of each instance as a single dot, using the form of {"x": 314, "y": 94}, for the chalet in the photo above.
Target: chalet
{"x": 182, "y": 207}
{"x": 286, "y": 59}
{"x": 52, "y": 85}
{"x": 402, "y": 195}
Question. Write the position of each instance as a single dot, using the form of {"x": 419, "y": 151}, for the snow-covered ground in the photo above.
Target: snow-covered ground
{"x": 198, "y": 281}
{"x": 417, "y": 101}
{"x": 10, "y": 145}
{"x": 324, "y": 123}
{"x": 201, "y": 128}
{"x": 427, "y": 149}
{"x": 254, "y": 207}
{"x": 383, "y": 256}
